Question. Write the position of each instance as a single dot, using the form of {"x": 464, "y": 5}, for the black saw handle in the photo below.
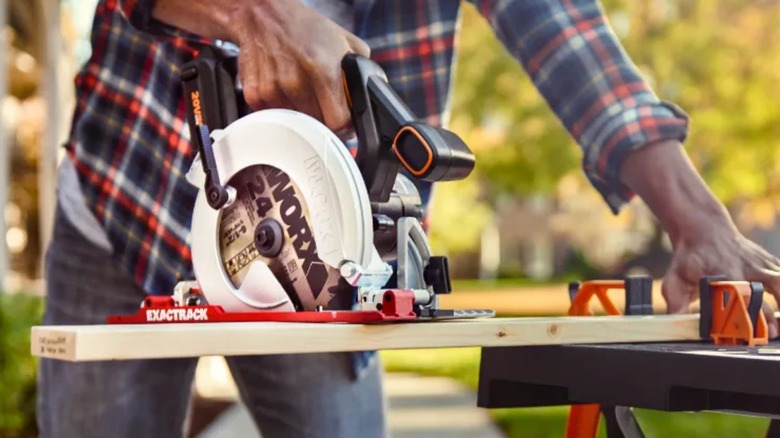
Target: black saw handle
{"x": 390, "y": 136}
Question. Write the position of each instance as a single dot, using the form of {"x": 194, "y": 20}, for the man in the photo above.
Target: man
{"x": 125, "y": 207}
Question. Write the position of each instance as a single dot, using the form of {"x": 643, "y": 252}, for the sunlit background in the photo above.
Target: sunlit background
{"x": 526, "y": 222}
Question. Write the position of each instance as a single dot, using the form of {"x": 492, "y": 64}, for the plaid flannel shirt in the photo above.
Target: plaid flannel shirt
{"x": 130, "y": 141}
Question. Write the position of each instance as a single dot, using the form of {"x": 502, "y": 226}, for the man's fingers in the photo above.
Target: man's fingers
{"x": 332, "y": 99}
{"x": 309, "y": 80}
{"x": 771, "y": 262}
{"x": 771, "y": 283}
{"x": 677, "y": 293}
{"x": 358, "y": 46}
{"x": 259, "y": 80}
{"x": 248, "y": 72}
{"x": 298, "y": 90}
{"x": 770, "y": 279}
{"x": 771, "y": 321}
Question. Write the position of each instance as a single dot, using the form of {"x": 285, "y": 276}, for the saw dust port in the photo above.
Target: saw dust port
{"x": 270, "y": 222}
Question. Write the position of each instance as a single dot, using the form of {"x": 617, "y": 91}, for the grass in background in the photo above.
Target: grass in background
{"x": 462, "y": 364}
{"x": 17, "y": 366}
{"x": 501, "y": 283}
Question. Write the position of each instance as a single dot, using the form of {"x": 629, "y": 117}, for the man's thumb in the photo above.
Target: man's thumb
{"x": 676, "y": 292}
{"x": 771, "y": 321}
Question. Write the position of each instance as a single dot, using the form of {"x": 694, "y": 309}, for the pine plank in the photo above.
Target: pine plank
{"x": 127, "y": 342}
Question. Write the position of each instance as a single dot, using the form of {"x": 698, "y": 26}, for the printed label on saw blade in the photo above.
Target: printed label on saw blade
{"x": 266, "y": 192}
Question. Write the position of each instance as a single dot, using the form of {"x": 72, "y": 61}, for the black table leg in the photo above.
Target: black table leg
{"x": 774, "y": 429}
{"x": 620, "y": 422}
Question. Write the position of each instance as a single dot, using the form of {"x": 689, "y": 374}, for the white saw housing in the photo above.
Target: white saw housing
{"x": 329, "y": 180}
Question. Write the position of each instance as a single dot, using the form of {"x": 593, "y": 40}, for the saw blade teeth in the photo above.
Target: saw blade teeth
{"x": 265, "y": 192}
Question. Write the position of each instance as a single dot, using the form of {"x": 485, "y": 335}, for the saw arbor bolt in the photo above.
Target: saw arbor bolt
{"x": 269, "y": 237}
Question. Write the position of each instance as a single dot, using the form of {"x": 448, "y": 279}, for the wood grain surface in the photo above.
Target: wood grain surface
{"x": 125, "y": 342}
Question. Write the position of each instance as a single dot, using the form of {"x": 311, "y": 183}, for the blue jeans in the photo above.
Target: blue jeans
{"x": 308, "y": 395}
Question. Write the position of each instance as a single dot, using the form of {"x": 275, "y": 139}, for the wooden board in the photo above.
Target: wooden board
{"x": 123, "y": 342}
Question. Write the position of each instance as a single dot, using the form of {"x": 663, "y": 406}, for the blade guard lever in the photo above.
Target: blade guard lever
{"x": 212, "y": 99}
{"x": 391, "y": 137}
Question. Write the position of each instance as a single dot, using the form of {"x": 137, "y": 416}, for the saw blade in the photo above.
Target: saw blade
{"x": 265, "y": 192}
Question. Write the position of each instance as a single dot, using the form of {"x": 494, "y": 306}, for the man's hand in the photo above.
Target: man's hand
{"x": 289, "y": 55}
{"x": 705, "y": 239}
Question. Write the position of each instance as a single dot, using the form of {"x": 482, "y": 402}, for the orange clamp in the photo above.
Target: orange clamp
{"x": 580, "y": 303}
{"x": 735, "y": 305}
{"x": 584, "y": 419}
{"x": 728, "y": 311}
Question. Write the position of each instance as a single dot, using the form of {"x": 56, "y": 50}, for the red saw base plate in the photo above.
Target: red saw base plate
{"x": 398, "y": 307}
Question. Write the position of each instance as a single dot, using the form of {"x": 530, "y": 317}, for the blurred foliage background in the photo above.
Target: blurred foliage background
{"x": 17, "y": 367}
{"x": 528, "y": 216}
{"x": 716, "y": 59}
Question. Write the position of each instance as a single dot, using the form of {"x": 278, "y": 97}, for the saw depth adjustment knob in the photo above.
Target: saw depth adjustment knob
{"x": 269, "y": 238}
{"x": 437, "y": 275}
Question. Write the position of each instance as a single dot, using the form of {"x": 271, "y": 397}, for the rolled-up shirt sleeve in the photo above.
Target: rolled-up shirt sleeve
{"x": 577, "y": 63}
{"x": 139, "y": 14}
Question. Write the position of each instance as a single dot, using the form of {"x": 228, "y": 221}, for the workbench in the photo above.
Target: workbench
{"x": 627, "y": 359}
{"x": 673, "y": 377}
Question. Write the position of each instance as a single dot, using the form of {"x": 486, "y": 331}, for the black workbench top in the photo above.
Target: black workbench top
{"x": 693, "y": 376}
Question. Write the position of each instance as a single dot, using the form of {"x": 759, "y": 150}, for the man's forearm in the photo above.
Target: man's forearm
{"x": 666, "y": 180}
{"x": 206, "y": 18}
{"x": 220, "y": 19}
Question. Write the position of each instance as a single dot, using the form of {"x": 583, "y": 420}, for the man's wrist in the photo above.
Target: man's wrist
{"x": 663, "y": 176}
{"x": 213, "y": 19}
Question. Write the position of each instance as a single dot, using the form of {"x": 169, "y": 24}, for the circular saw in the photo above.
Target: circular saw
{"x": 289, "y": 225}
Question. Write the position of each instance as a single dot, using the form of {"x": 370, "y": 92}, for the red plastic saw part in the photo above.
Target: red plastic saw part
{"x": 397, "y": 305}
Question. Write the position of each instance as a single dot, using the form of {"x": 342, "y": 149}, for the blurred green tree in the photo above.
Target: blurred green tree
{"x": 717, "y": 59}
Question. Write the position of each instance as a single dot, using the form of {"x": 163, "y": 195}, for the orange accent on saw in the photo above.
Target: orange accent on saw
{"x": 428, "y": 162}
{"x": 346, "y": 88}
{"x": 731, "y": 324}
{"x": 195, "y": 98}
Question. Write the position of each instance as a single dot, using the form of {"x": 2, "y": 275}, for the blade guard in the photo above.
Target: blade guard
{"x": 388, "y": 135}
{"x": 319, "y": 163}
